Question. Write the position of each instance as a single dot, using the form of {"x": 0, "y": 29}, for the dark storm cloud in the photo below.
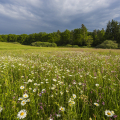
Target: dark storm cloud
{"x": 34, "y": 16}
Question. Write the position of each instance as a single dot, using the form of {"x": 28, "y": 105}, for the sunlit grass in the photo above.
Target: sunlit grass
{"x": 58, "y": 83}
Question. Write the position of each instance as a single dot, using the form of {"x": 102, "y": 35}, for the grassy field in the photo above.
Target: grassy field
{"x": 59, "y": 83}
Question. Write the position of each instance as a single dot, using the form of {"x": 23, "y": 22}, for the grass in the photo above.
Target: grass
{"x": 59, "y": 83}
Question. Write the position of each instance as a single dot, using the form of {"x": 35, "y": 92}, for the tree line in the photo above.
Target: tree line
{"x": 79, "y": 36}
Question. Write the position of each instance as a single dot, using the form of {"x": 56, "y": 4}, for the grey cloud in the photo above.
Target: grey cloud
{"x": 30, "y": 16}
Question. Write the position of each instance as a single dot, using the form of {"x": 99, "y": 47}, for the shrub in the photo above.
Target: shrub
{"x": 108, "y": 44}
{"x": 75, "y": 46}
{"x": 44, "y": 44}
{"x": 68, "y": 45}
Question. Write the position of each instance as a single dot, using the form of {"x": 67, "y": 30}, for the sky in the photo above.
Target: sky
{"x": 34, "y": 16}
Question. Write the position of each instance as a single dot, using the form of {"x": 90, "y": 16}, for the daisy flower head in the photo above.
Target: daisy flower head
{"x": 25, "y": 95}
{"x": 23, "y": 102}
{"x": 1, "y": 109}
{"x": 96, "y": 104}
{"x": 28, "y": 100}
{"x": 29, "y": 80}
{"x": 109, "y": 113}
{"x": 20, "y": 98}
{"x": 35, "y": 83}
{"x": 34, "y": 90}
{"x": 58, "y": 115}
{"x": 73, "y": 102}
{"x": 30, "y": 88}
{"x": 54, "y": 80}
{"x": 74, "y": 96}
{"x": 62, "y": 108}
{"x": 22, "y": 87}
{"x": 43, "y": 90}
{"x": 97, "y": 84}
{"x": 22, "y": 114}
{"x": 80, "y": 83}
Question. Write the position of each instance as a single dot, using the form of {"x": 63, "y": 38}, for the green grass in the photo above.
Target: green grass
{"x": 64, "y": 74}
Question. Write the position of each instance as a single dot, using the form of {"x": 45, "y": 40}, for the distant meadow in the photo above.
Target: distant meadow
{"x": 59, "y": 84}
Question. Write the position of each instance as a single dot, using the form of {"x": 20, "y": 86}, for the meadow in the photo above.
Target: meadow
{"x": 59, "y": 83}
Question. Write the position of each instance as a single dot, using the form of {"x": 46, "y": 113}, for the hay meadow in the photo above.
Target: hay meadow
{"x": 59, "y": 83}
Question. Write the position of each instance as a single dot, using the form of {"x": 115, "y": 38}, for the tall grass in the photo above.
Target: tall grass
{"x": 65, "y": 84}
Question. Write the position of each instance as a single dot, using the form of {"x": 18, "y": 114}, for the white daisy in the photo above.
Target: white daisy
{"x": 74, "y": 96}
{"x": 58, "y": 115}
{"x": 25, "y": 95}
{"x": 62, "y": 108}
{"x": 28, "y": 100}
{"x": 34, "y": 90}
{"x": 22, "y": 87}
{"x": 54, "y": 80}
{"x": 61, "y": 92}
{"x": 97, "y": 84}
{"x": 22, "y": 114}
{"x": 23, "y": 102}
{"x": 1, "y": 109}
{"x": 80, "y": 83}
{"x": 29, "y": 80}
{"x": 43, "y": 90}
{"x": 20, "y": 98}
{"x": 73, "y": 102}
{"x": 108, "y": 113}
{"x": 35, "y": 83}
{"x": 96, "y": 104}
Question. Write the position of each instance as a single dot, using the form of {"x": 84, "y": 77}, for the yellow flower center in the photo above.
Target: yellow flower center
{"x": 22, "y": 113}
{"x": 109, "y": 113}
{"x": 61, "y": 108}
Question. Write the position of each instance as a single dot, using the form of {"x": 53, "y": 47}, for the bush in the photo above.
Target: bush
{"x": 68, "y": 45}
{"x": 108, "y": 44}
{"x": 118, "y": 46}
{"x": 75, "y": 46}
{"x": 44, "y": 44}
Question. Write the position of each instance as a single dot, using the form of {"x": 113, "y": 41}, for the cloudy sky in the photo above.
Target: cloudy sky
{"x": 34, "y": 16}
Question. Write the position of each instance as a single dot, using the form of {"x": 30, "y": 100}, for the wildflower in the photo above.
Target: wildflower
{"x": 73, "y": 102}
{"x": 23, "y": 102}
{"x": 114, "y": 116}
{"x": 37, "y": 113}
{"x": 22, "y": 114}
{"x": 54, "y": 80}
{"x": 52, "y": 88}
{"x": 25, "y": 95}
{"x": 90, "y": 118}
{"x": 1, "y": 109}
{"x": 22, "y": 87}
{"x": 108, "y": 113}
{"x": 61, "y": 92}
{"x": 34, "y": 90}
{"x": 20, "y": 98}
{"x": 28, "y": 100}
{"x": 81, "y": 91}
{"x": 67, "y": 91}
{"x": 96, "y": 104}
{"x": 74, "y": 96}
{"x": 103, "y": 103}
{"x": 29, "y": 80}
{"x": 80, "y": 83}
{"x": 43, "y": 90}
{"x": 97, "y": 84}
{"x": 58, "y": 115}
{"x": 35, "y": 83}
{"x": 74, "y": 82}
{"x": 62, "y": 108}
